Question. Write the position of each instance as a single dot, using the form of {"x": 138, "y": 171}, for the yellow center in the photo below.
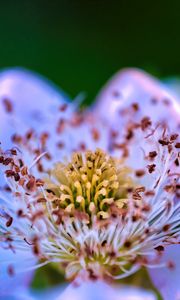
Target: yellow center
{"x": 92, "y": 183}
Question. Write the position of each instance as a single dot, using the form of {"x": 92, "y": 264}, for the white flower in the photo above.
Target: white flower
{"x": 95, "y": 192}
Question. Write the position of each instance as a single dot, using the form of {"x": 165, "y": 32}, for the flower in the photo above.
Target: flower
{"x": 99, "y": 290}
{"x": 95, "y": 192}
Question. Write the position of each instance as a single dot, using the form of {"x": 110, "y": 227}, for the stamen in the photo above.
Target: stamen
{"x": 94, "y": 177}
{"x": 94, "y": 215}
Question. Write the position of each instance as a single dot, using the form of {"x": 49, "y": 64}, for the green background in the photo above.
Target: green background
{"x": 79, "y": 44}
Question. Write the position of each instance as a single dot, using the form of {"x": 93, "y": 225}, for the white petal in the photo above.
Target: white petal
{"x": 49, "y": 293}
{"x": 34, "y": 102}
{"x": 16, "y": 261}
{"x": 153, "y": 99}
{"x": 135, "y": 86}
{"x": 167, "y": 280}
{"x": 36, "y": 106}
{"x": 21, "y": 294}
{"x": 102, "y": 291}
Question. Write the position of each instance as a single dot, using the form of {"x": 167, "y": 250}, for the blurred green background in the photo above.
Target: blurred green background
{"x": 79, "y": 44}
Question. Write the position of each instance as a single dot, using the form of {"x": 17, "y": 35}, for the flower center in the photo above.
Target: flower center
{"x": 91, "y": 183}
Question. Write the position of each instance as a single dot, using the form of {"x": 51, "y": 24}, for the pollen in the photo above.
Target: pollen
{"x": 92, "y": 183}
{"x": 91, "y": 216}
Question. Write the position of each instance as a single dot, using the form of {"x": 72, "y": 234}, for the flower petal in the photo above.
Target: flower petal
{"x": 37, "y": 105}
{"x": 134, "y": 86}
{"x": 167, "y": 280}
{"x": 102, "y": 291}
{"x": 11, "y": 263}
{"x": 131, "y": 97}
{"x": 21, "y": 294}
{"x": 49, "y": 293}
{"x": 32, "y": 100}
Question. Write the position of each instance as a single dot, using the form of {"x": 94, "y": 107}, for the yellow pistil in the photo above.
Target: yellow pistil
{"x": 90, "y": 183}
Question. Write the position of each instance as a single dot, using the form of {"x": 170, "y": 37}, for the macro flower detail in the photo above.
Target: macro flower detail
{"x": 90, "y": 183}
{"x": 99, "y": 200}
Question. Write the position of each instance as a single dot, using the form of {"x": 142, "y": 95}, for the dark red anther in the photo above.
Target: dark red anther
{"x": 163, "y": 142}
{"x": 13, "y": 151}
{"x": 9, "y": 221}
{"x": 60, "y": 145}
{"x": 173, "y": 137}
{"x": 135, "y": 106}
{"x": 16, "y": 138}
{"x": 145, "y": 123}
{"x": 8, "y": 105}
{"x": 7, "y": 161}
{"x": 39, "y": 182}
{"x": 10, "y": 270}
{"x": 152, "y": 154}
{"x": 29, "y": 134}
{"x": 151, "y": 168}
{"x": 1, "y": 159}
{"x": 95, "y": 134}
{"x": 127, "y": 244}
{"x": 140, "y": 173}
{"x": 177, "y": 145}
{"x": 63, "y": 107}
{"x": 176, "y": 162}
{"x": 166, "y": 227}
{"x": 60, "y": 126}
{"x": 129, "y": 134}
{"x": 16, "y": 177}
{"x": 159, "y": 248}
{"x": 166, "y": 101}
{"x": 31, "y": 184}
{"x": 149, "y": 193}
{"x": 24, "y": 171}
{"x": 171, "y": 265}
{"x": 82, "y": 146}
{"x": 21, "y": 164}
{"x": 114, "y": 134}
{"x": 9, "y": 173}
